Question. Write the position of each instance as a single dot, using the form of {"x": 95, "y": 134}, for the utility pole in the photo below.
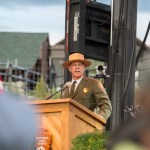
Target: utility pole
{"x": 122, "y": 59}
{"x": 45, "y": 60}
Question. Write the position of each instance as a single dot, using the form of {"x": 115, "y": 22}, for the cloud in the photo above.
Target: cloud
{"x": 4, "y": 27}
{"x": 144, "y": 5}
{"x": 35, "y": 19}
{"x": 14, "y": 3}
{"x": 142, "y": 26}
{"x": 108, "y": 2}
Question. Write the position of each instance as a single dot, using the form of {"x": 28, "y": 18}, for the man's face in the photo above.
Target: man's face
{"x": 77, "y": 70}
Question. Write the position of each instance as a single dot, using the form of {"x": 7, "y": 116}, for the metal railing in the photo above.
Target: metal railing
{"x": 18, "y": 79}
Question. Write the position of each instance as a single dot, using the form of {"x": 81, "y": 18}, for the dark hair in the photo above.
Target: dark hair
{"x": 132, "y": 131}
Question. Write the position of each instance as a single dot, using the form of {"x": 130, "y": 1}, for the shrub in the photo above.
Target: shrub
{"x": 41, "y": 89}
{"x": 96, "y": 140}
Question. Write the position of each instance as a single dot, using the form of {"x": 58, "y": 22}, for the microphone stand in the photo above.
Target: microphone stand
{"x": 56, "y": 92}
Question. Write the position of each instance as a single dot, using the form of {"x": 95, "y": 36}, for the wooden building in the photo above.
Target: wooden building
{"x": 24, "y": 55}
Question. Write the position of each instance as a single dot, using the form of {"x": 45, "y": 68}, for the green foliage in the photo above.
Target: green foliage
{"x": 57, "y": 96}
{"x": 96, "y": 140}
{"x": 41, "y": 89}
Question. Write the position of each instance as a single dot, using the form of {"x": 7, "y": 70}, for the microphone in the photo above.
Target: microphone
{"x": 67, "y": 85}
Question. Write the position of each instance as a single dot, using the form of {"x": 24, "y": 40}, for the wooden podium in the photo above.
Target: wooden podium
{"x": 65, "y": 119}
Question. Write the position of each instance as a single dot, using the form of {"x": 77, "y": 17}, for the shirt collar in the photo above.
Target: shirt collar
{"x": 77, "y": 81}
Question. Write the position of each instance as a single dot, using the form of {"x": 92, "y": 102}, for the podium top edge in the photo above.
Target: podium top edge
{"x": 67, "y": 100}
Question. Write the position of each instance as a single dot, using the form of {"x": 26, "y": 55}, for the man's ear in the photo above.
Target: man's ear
{"x": 84, "y": 69}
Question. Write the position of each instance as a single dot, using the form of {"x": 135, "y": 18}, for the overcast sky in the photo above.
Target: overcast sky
{"x": 49, "y": 16}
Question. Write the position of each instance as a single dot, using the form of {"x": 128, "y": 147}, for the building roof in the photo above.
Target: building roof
{"x": 23, "y": 48}
{"x": 58, "y": 50}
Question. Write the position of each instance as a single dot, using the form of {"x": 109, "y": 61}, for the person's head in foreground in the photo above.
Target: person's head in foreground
{"x": 17, "y": 124}
{"x": 134, "y": 135}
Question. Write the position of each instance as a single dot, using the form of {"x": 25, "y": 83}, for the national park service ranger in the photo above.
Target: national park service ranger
{"x": 87, "y": 91}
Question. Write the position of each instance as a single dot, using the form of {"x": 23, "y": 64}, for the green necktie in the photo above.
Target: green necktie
{"x": 72, "y": 88}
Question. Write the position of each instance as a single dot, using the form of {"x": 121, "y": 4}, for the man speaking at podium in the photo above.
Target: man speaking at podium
{"x": 89, "y": 92}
